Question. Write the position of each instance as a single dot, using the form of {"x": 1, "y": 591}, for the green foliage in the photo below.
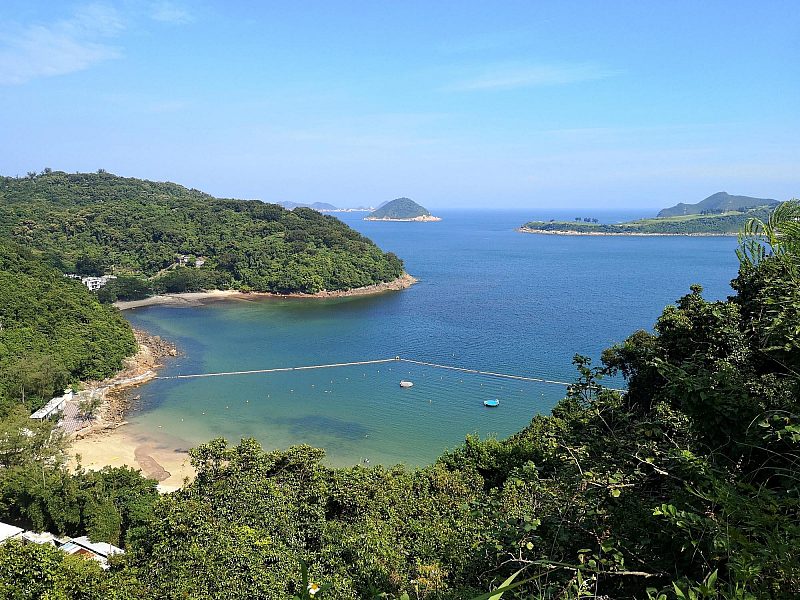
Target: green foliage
{"x": 125, "y": 287}
{"x": 184, "y": 279}
{"x": 24, "y": 441}
{"x": 40, "y": 572}
{"x": 95, "y": 223}
{"x": 684, "y": 487}
{"x": 53, "y": 331}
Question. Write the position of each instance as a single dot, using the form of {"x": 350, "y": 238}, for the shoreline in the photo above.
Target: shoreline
{"x": 422, "y": 219}
{"x": 199, "y": 298}
{"x": 623, "y": 234}
{"x": 106, "y": 442}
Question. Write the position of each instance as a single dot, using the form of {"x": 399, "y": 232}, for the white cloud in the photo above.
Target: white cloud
{"x": 169, "y": 12}
{"x": 66, "y": 46}
{"x": 506, "y": 77}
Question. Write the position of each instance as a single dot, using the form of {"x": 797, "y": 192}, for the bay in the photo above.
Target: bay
{"x": 488, "y": 298}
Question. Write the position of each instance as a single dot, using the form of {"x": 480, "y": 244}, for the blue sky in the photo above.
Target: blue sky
{"x": 618, "y": 105}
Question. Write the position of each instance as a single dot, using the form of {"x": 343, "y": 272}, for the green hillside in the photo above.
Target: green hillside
{"x": 683, "y": 487}
{"x": 721, "y": 202}
{"x": 400, "y": 208}
{"x": 101, "y": 223}
{"x": 52, "y": 331}
{"x": 729, "y": 223}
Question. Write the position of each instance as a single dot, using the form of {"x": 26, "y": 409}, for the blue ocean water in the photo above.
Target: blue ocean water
{"x": 488, "y": 298}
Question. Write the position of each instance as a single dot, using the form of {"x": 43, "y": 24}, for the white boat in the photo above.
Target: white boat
{"x": 406, "y": 384}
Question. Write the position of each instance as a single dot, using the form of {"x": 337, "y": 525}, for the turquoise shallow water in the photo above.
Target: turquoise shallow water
{"x": 488, "y": 298}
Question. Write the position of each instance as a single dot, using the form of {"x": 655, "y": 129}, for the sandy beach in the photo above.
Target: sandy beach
{"x": 198, "y": 298}
{"x": 107, "y": 442}
{"x": 156, "y": 457}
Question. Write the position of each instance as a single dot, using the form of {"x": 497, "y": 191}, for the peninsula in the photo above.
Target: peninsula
{"x": 718, "y": 215}
{"x": 401, "y": 209}
{"x": 164, "y": 238}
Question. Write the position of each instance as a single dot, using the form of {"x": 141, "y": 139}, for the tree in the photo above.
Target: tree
{"x": 37, "y": 375}
{"x": 24, "y": 441}
{"x": 89, "y": 406}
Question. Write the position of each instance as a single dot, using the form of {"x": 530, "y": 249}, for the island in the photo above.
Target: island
{"x": 718, "y": 215}
{"x": 401, "y": 209}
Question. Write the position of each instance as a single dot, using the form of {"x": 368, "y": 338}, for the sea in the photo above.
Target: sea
{"x": 488, "y": 298}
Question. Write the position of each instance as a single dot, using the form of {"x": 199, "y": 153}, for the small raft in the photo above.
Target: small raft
{"x": 491, "y": 403}
{"x": 406, "y": 384}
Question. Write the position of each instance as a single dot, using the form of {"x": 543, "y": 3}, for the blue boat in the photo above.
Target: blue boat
{"x": 492, "y": 403}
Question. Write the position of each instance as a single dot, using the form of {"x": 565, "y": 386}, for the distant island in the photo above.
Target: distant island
{"x": 719, "y": 214}
{"x": 323, "y": 207}
{"x": 401, "y": 209}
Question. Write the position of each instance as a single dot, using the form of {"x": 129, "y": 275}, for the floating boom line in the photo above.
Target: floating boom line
{"x": 280, "y": 369}
{"x": 489, "y": 373}
{"x": 375, "y": 362}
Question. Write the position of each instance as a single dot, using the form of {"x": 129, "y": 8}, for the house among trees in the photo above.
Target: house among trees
{"x": 54, "y": 407}
{"x": 93, "y": 283}
{"x": 99, "y": 551}
{"x": 82, "y": 546}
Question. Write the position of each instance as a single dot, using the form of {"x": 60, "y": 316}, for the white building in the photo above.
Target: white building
{"x": 95, "y": 283}
{"x": 10, "y": 532}
{"x": 55, "y": 406}
{"x": 99, "y": 551}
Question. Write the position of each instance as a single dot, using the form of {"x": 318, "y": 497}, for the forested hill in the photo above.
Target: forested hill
{"x": 715, "y": 204}
{"x": 400, "y": 208}
{"x": 53, "y": 331}
{"x": 95, "y": 223}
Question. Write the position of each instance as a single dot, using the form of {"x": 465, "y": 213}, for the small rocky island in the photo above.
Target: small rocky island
{"x": 401, "y": 209}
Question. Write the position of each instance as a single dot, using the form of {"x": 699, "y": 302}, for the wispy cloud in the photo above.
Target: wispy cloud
{"x": 509, "y": 77}
{"x": 170, "y": 12}
{"x": 66, "y": 46}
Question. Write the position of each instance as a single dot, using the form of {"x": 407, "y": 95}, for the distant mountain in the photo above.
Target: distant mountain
{"x": 717, "y": 203}
{"x": 401, "y": 209}
{"x": 315, "y": 205}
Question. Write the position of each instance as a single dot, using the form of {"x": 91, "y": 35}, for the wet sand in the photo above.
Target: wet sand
{"x": 156, "y": 457}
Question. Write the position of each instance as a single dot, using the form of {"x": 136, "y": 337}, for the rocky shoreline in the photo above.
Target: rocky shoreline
{"x": 420, "y": 219}
{"x": 626, "y": 234}
{"x": 114, "y": 393}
